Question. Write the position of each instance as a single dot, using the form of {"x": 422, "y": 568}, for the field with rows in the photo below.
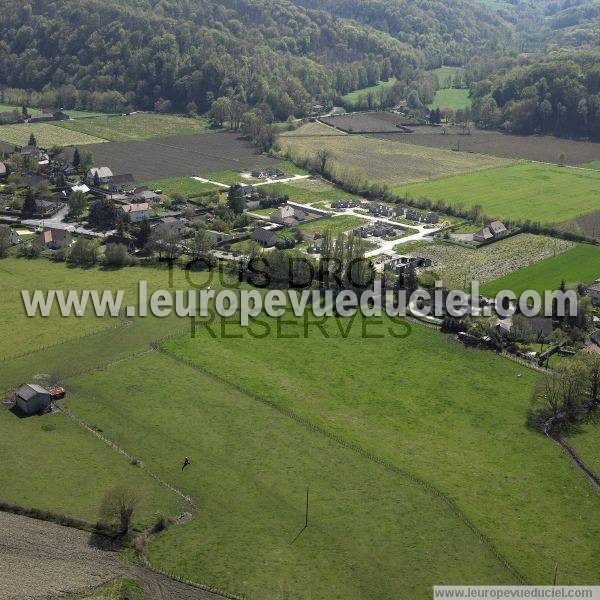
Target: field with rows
{"x": 46, "y": 135}
{"x": 140, "y": 126}
{"x": 456, "y": 265}
{"x": 385, "y": 160}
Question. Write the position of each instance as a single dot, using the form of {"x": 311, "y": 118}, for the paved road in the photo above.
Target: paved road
{"x": 40, "y": 560}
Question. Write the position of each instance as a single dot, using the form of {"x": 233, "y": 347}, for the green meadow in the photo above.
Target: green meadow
{"x": 526, "y": 191}
{"x": 451, "y": 98}
{"x": 452, "y": 416}
{"x": 579, "y": 264}
{"x": 353, "y": 97}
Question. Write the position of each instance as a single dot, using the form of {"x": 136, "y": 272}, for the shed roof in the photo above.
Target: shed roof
{"x": 27, "y": 391}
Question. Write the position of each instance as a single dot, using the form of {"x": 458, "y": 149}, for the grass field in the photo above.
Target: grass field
{"x": 137, "y": 127}
{"x": 74, "y": 114}
{"x": 594, "y": 164}
{"x": 451, "y": 98}
{"x": 456, "y": 265}
{"x": 69, "y": 470}
{"x": 336, "y": 225}
{"x": 353, "y": 97}
{"x": 46, "y": 134}
{"x": 309, "y": 191}
{"x": 37, "y": 333}
{"x": 586, "y": 442}
{"x": 186, "y": 186}
{"x": 451, "y": 415}
{"x": 386, "y": 160}
{"x": 457, "y": 422}
{"x": 579, "y": 264}
{"x": 250, "y": 483}
{"x": 442, "y": 73}
{"x": 525, "y": 191}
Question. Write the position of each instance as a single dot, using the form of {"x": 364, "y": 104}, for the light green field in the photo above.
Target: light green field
{"x": 454, "y": 416}
{"x": 595, "y": 164}
{"x": 37, "y": 333}
{"x": 580, "y": 264}
{"x": 46, "y": 134}
{"x": 68, "y": 470}
{"x": 336, "y": 225}
{"x": 442, "y": 73}
{"x": 250, "y": 469}
{"x": 451, "y": 98}
{"x": 186, "y": 186}
{"x": 136, "y": 127}
{"x": 74, "y": 114}
{"x": 525, "y": 191}
{"x": 353, "y": 97}
{"x": 309, "y": 191}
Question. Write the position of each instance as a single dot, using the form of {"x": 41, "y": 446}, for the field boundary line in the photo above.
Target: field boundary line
{"x": 306, "y": 423}
{"x": 133, "y": 460}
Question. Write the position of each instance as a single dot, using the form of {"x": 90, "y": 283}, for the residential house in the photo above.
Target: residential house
{"x": 2, "y": 170}
{"x": 137, "y": 212}
{"x": 104, "y": 175}
{"x": 55, "y": 238}
{"x": 172, "y": 225}
{"x": 494, "y": 230}
{"x": 33, "y": 399}
{"x": 345, "y": 204}
{"x": 265, "y": 237}
{"x": 413, "y": 215}
{"x": 287, "y": 215}
{"x": 145, "y": 196}
{"x": 218, "y": 237}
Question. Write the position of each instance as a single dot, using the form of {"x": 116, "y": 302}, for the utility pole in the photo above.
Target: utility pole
{"x": 306, "y": 516}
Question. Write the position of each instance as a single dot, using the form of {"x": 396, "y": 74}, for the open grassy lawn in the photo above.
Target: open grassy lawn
{"x": 336, "y": 225}
{"x": 384, "y": 161}
{"x": 353, "y": 97}
{"x": 451, "y": 98}
{"x": 47, "y": 135}
{"x": 186, "y": 186}
{"x": 443, "y": 73}
{"x": 456, "y": 265}
{"x": 28, "y": 334}
{"x": 525, "y": 191}
{"x": 451, "y": 415}
{"x": 140, "y": 126}
{"x": 579, "y": 264}
{"x": 52, "y": 463}
{"x": 309, "y": 191}
{"x": 595, "y": 164}
{"x": 250, "y": 469}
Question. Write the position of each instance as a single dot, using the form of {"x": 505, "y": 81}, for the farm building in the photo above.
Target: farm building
{"x": 148, "y": 196}
{"x": 122, "y": 183}
{"x": 49, "y": 114}
{"x": 264, "y": 237}
{"x": 32, "y": 398}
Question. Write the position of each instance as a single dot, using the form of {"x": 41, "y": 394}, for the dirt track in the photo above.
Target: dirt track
{"x": 44, "y": 560}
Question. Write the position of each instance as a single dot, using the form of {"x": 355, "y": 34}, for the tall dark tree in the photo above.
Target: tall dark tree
{"x": 32, "y": 140}
{"x": 76, "y": 158}
{"x": 236, "y": 201}
{"x": 29, "y": 207}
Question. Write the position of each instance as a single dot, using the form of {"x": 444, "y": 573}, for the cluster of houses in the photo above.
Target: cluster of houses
{"x": 378, "y": 229}
{"x": 402, "y": 263}
{"x": 429, "y": 218}
{"x": 342, "y": 204}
